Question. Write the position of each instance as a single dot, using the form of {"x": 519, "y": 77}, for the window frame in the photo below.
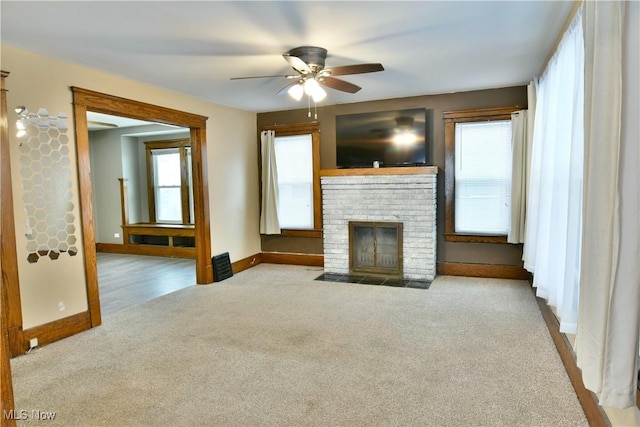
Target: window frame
{"x": 451, "y": 118}
{"x": 182, "y": 145}
{"x": 312, "y": 129}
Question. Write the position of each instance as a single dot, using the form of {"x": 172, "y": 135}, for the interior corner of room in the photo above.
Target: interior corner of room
{"x": 118, "y": 190}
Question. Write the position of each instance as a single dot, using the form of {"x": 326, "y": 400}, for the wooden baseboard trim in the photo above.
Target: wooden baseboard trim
{"x": 277, "y": 258}
{"x": 245, "y": 263}
{"x": 483, "y": 270}
{"x": 152, "y": 250}
{"x": 596, "y": 417}
{"x": 311, "y": 260}
{"x": 58, "y": 329}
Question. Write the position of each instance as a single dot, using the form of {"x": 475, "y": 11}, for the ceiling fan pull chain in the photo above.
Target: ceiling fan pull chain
{"x": 309, "y": 106}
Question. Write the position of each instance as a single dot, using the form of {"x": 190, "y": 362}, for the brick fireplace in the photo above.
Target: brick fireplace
{"x": 393, "y": 195}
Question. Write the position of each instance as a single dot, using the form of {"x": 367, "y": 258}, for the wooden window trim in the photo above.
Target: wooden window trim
{"x": 314, "y": 130}
{"x": 301, "y": 233}
{"x": 450, "y": 119}
{"x": 182, "y": 144}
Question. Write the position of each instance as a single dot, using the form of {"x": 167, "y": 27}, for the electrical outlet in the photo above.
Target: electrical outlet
{"x": 116, "y": 235}
{"x": 33, "y": 342}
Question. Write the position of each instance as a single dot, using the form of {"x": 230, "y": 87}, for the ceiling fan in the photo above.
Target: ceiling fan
{"x": 309, "y": 62}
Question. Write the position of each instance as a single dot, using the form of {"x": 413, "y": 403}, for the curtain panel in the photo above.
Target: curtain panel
{"x": 269, "y": 222}
{"x": 520, "y": 165}
{"x": 553, "y": 227}
{"x": 607, "y": 339}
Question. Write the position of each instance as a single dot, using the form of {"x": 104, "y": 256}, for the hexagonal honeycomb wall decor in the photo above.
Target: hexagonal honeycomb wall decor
{"x": 46, "y": 185}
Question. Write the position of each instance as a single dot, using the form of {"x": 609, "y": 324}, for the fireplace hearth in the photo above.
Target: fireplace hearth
{"x": 375, "y": 280}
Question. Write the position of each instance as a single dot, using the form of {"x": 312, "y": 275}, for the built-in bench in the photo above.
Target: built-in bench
{"x": 153, "y": 229}
{"x": 149, "y": 238}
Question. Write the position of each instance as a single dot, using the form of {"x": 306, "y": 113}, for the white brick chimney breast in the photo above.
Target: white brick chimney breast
{"x": 381, "y": 195}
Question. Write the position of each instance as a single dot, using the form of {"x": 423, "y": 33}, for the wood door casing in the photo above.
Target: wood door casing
{"x": 85, "y": 100}
{"x": 9, "y": 285}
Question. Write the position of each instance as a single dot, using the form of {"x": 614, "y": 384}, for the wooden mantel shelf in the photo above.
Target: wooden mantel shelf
{"x": 411, "y": 170}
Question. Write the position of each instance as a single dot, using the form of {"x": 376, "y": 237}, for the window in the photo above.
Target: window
{"x": 478, "y": 175}
{"x": 169, "y": 181}
{"x": 294, "y": 157}
{"x": 483, "y": 177}
{"x": 298, "y": 163}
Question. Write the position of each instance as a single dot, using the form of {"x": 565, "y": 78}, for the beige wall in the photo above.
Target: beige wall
{"x": 435, "y": 106}
{"x": 39, "y": 81}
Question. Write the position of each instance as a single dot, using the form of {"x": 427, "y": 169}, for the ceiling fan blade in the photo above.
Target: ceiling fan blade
{"x": 355, "y": 69}
{"x": 286, "y": 88}
{"x": 101, "y": 124}
{"x": 297, "y": 63}
{"x": 286, "y": 76}
{"x": 338, "y": 84}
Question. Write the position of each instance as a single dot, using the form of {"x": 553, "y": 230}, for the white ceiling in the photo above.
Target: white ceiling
{"x": 195, "y": 47}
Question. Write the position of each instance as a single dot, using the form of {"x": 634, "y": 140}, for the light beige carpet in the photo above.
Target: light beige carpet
{"x": 272, "y": 346}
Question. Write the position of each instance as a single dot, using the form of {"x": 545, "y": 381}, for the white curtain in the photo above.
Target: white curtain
{"x": 520, "y": 164}
{"x": 607, "y": 339}
{"x": 553, "y": 226}
{"x": 269, "y": 222}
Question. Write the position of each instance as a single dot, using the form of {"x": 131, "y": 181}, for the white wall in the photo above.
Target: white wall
{"x": 39, "y": 81}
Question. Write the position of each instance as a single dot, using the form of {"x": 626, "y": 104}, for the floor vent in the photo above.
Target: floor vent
{"x": 221, "y": 267}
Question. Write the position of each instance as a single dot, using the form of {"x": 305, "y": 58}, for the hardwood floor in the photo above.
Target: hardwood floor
{"x": 128, "y": 280}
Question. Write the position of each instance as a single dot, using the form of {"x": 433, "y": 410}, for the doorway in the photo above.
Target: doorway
{"x": 85, "y": 101}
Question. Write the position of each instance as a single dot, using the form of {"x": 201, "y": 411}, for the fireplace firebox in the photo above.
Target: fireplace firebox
{"x": 375, "y": 248}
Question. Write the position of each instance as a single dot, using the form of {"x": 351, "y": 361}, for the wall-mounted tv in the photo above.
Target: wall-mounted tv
{"x": 392, "y": 138}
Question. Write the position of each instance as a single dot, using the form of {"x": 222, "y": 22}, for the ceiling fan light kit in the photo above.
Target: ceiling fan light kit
{"x": 296, "y": 91}
{"x": 312, "y": 88}
{"x": 309, "y": 62}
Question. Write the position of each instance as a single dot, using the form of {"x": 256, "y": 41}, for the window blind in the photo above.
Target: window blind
{"x": 294, "y": 157}
{"x": 167, "y": 184}
{"x": 483, "y": 177}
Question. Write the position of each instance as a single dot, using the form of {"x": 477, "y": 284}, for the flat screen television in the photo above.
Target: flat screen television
{"x": 391, "y": 138}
